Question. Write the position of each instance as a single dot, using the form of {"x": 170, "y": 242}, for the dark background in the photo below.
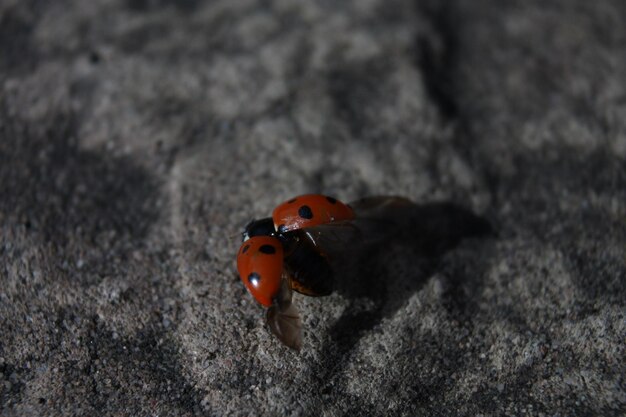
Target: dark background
{"x": 138, "y": 137}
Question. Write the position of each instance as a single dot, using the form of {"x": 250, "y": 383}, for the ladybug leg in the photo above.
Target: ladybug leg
{"x": 283, "y": 317}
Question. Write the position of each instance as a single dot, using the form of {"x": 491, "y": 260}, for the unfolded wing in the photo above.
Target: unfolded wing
{"x": 283, "y": 318}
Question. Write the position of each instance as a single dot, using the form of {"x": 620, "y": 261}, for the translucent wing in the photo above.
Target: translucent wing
{"x": 334, "y": 237}
{"x": 387, "y": 209}
{"x": 283, "y": 318}
{"x": 377, "y": 219}
{"x": 429, "y": 228}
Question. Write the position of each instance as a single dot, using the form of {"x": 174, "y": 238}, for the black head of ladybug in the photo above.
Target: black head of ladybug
{"x": 262, "y": 227}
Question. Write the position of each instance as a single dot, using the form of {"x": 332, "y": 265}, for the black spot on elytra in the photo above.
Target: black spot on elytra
{"x": 291, "y": 201}
{"x": 331, "y": 200}
{"x": 282, "y": 228}
{"x": 267, "y": 249}
{"x": 263, "y": 227}
{"x": 245, "y": 249}
{"x": 254, "y": 278}
{"x": 305, "y": 212}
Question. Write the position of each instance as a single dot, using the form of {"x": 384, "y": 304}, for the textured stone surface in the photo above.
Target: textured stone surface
{"x": 137, "y": 138}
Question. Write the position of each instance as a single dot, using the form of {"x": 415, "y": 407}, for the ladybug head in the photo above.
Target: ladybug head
{"x": 262, "y": 227}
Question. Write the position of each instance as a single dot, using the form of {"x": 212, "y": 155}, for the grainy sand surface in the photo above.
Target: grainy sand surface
{"x": 138, "y": 137}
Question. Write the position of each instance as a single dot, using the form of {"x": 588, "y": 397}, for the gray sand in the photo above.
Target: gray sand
{"x": 138, "y": 137}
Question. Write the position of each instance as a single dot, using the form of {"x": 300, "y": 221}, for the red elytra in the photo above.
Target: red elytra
{"x": 309, "y": 210}
{"x": 260, "y": 266}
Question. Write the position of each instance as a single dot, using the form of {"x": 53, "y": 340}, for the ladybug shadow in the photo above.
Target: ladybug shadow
{"x": 379, "y": 279}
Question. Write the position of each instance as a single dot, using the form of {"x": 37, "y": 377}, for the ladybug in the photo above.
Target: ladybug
{"x": 291, "y": 251}
{"x": 283, "y": 237}
{"x": 279, "y": 254}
